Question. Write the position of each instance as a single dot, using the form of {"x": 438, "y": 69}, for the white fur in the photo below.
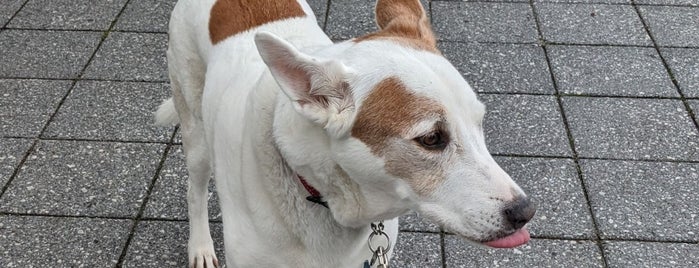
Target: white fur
{"x": 245, "y": 117}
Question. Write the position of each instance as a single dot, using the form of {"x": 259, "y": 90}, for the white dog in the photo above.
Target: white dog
{"x": 370, "y": 128}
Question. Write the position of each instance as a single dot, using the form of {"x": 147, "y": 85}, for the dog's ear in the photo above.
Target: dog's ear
{"x": 317, "y": 88}
{"x": 405, "y": 19}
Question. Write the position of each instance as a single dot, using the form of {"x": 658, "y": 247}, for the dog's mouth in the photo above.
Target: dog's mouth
{"x": 518, "y": 238}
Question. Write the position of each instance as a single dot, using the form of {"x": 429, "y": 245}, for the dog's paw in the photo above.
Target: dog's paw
{"x": 202, "y": 256}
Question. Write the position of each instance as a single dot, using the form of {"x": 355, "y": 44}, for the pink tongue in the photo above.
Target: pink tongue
{"x": 516, "y": 239}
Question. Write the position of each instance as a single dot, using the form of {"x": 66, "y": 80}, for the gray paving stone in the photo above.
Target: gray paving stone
{"x": 67, "y": 14}
{"x": 10, "y": 7}
{"x": 553, "y": 184}
{"x": 11, "y": 153}
{"x": 592, "y": 24}
{"x": 537, "y": 253}
{"x": 164, "y": 244}
{"x": 30, "y": 241}
{"x": 620, "y": 71}
{"x": 413, "y": 222}
{"x": 644, "y": 200}
{"x": 105, "y": 110}
{"x": 131, "y": 56}
{"x": 45, "y": 54}
{"x": 684, "y": 64}
{"x": 83, "y": 178}
{"x": 669, "y": 2}
{"x": 586, "y": 1}
{"x": 26, "y": 105}
{"x": 524, "y": 124}
{"x": 320, "y": 9}
{"x": 146, "y": 16}
{"x": 168, "y": 199}
{"x": 350, "y": 18}
{"x": 649, "y": 254}
{"x": 624, "y": 128}
{"x": 417, "y": 250}
{"x": 673, "y": 26}
{"x": 501, "y": 67}
{"x": 484, "y": 22}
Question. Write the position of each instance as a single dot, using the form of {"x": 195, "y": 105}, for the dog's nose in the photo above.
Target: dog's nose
{"x": 519, "y": 212}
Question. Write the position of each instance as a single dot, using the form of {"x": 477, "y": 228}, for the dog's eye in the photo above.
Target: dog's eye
{"x": 433, "y": 141}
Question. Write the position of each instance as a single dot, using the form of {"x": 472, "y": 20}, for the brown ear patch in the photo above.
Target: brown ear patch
{"x": 404, "y": 22}
{"x": 230, "y": 17}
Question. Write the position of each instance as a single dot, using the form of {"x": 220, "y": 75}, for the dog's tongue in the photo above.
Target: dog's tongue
{"x": 516, "y": 239}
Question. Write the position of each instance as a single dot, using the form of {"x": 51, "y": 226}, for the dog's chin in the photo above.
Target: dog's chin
{"x": 502, "y": 239}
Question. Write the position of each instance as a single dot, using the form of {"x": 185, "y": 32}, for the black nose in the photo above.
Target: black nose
{"x": 519, "y": 212}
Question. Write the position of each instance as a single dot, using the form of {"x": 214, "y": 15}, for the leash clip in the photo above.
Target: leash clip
{"x": 380, "y": 252}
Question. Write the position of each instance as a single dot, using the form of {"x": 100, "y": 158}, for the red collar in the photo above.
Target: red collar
{"x": 315, "y": 196}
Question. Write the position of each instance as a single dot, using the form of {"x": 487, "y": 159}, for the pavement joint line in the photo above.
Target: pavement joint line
{"x": 580, "y": 95}
{"x": 571, "y": 139}
{"x": 4, "y": 26}
{"x": 53, "y": 30}
{"x": 102, "y": 140}
{"x": 542, "y": 42}
{"x": 327, "y": 15}
{"x": 86, "y": 79}
{"x": 687, "y": 107}
{"x": 443, "y": 250}
{"x": 597, "y": 158}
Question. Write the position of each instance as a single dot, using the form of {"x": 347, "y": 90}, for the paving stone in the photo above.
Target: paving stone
{"x": 164, "y": 244}
{"x": 350, "y": 18}
{"x": 31, "y": 241}
{"x": 620, "y": 71}
{"x": 414, "y": 222}
{"x": 83, "y": 178}
{"x": 26, "y": 105}
{"x": 592, "y": 24}
{"x": 146, "y": 16}
{"x": 45, "y": 54}
{"x": 417, "y": 250}
{"x": 553, "y": 184}
{"x": 10, "y": 7}
{"x": 131, "y": 56}
{"x": 649, "y": 254}
{"x": 320, "y": 8}
{"x": 67, "y": 14}
{"x": 484, "y": 22}
{"x": 537, "y": 253}
{"x": 644, "y": 200}
{"x": 501, "y": 67}
{"x": 673, "y": 26}
{"x": 624, "y": 128}
{"x": 669, "y": 2}
{"x": 586, "y": 1}
{"x": 524, "y": 124}
{"x": 168, "y": 199}
{"x": 111, "y": 111}
{"x": 11, "y": 153}
{"x": 684, "y": 64}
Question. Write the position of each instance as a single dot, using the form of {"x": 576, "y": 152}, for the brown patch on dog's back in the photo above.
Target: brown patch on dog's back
{"x": 404, "y": 22}
{"x": 385, "y": 116}
{"x": 230, "y": 17}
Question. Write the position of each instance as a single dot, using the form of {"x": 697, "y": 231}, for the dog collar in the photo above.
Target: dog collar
{"x": 314, "y": 195}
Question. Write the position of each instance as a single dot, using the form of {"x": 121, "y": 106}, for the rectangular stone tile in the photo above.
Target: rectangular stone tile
{"x": 111, "y": 111}
{"x": 684, "y": 64}
{"x": 415, "y": 223}
{"x": 644, "y": 200}
{"x": 83, "y": 178}
{"x": 30, "y": 241}
{"x": 484, "y": 22}
{"x": 537, "y": 253}
{"x": 524, "y": 124}
{"x": 168, "y": 200}
{"x": 130, "y": 56}
{"x": 668, "y": 2}
{"x": 417, "y": 250}
{"x": 67, "y": 14}
{"x": 501, "y": 67}
{"x": 649, "y": 254}
{"x": 11, "y": 153}
{"x": 586, "y": 1}
{"x": 673, "y": 26}
{"x": 45, "y": 54}
{"x": 146, "y": 16}
{"x": 164, "y": 244}
{"x": 26, "y": 105}
{"x": 552, "y": 184}
{"x": 624, "y": 128}
{"x": 10, "y": 7}
{"x": 620, "y": 71}
{"x": 591, "y": 24}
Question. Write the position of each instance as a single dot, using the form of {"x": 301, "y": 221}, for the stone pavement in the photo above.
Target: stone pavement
{"x": 592, "y": 108}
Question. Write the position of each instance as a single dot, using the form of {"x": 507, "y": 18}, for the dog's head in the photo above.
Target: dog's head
{"x": 393, "y": 127}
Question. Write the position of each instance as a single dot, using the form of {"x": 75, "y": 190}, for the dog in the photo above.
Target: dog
{"x": 314, "y": 144}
